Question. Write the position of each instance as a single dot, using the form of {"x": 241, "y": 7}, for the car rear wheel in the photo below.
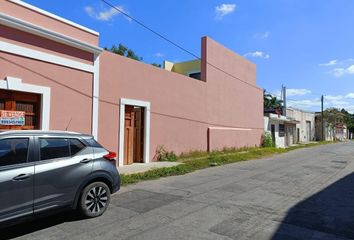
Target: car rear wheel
{"x": 95, "y": 199}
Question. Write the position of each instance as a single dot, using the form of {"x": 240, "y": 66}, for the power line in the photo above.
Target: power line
{"x": 150, "y": 29}
{"x": 173, "y": 43}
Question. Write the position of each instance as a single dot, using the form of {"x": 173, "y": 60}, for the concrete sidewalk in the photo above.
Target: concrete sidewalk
{"x": 144, "y": 167}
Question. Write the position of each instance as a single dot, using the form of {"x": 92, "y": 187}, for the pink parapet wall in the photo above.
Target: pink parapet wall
{"x": 235, "y": 102}
{"x": 30, "y": 14}
{"x": 223, "y": 110}
{"x": 178, "y": 106}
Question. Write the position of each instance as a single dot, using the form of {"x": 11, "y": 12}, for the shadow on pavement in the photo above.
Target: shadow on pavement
{"x": 329, "y": 214}
{"x": 30, "y": 225}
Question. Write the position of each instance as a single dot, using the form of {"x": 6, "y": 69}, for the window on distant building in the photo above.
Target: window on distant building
{"x": 195, "y": 75}
{"x": 281, "y": 130}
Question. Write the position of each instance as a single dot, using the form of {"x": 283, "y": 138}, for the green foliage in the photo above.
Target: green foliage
{"x": 124, "y": 51}
{"x": 165, "y": 156}
{"x": 209, "y": 160}
{"x": 348, "y": 119}
{"x": 271, "y": 102}
{"x": 131, "y": 54}
{"x": 156, "y": 65}
{"x": 267, "y": 140}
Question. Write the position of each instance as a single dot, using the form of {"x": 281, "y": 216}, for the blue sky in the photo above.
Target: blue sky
{"x": 305, "y": 45}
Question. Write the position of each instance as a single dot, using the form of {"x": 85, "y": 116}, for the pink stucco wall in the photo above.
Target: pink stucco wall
{"x": 36, "y": 18}
{"x": 178, "y": 107}
{"x": 71, "y": 90}
{"x": 223, "y": 110}
{"x": 182, "y": 109}
{"x": 34, "y": 42}
{"x": 234, "y": 99}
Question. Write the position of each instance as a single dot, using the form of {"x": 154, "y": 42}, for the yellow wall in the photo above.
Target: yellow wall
{"x": 183, "y": 67}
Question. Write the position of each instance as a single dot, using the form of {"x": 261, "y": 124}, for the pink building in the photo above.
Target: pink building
{"x": 53, "y": 70}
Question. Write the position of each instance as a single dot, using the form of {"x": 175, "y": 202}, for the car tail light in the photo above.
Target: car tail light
{"x": 110, "y": 156}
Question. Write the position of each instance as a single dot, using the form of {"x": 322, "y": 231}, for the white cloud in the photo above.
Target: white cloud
{"x": 264, "y": 35}
{"x": 345, "y": 101}
{"x": 103, "y": 14}
{"x": 338, "y": 72}
{"x": 224, "y": 9}
{"x": 305, "y": 103}
{"x": 159, "y": 55}
{"x": 297, "y": 92}
{"x": 350, "y": 95}
{"x": 337, "y": 101}
{"x": 334, "y": 98}
{"x": 257, "y": 54}
{"x": 330, "y": 63}
{"x": 350, "y": 69}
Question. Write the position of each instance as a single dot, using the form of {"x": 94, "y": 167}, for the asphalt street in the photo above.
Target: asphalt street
{"x": 303, "y": 194}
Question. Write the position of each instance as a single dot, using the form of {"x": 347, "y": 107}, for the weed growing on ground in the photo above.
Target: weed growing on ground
{"x": 199, "y": 160}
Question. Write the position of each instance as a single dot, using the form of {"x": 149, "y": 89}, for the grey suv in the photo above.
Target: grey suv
{"x": 41, "y": 170}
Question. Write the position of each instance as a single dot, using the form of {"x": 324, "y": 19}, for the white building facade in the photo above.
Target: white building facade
{"x": 281, "y": 128}
{"x": 305, "y": 128}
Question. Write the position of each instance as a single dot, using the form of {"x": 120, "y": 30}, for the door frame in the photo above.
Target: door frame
{"x": 146, "y": 106}
{"x": 15, "y": 84}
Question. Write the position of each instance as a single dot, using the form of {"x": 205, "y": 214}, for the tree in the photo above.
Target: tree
{"x": 124, "y": 51}
{"x": 156, "y": 65}
{"x": 349, "y": 120}
{"x": 271, "y": 102}
{"x": 132, "y": 55}
{"x": 333, "y": 117}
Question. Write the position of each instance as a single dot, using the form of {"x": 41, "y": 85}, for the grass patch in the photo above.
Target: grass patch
{"x": 199, "y": 160}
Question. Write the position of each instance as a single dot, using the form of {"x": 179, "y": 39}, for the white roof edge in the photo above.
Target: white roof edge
{"x": 300, "y": 110}
{"x": 36, "y": 9}
{"x": 28, "y": 27}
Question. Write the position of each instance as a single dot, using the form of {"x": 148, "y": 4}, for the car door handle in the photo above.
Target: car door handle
{"x": 86, "y": 160}
{"x": 22, "y": 177}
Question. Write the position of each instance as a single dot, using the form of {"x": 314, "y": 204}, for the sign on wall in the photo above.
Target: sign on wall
{"x": 13, "y": 118}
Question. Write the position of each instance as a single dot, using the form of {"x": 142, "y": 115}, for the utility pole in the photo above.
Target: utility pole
{"x": 322, "y": 120}
{"x": 283, "y": 90}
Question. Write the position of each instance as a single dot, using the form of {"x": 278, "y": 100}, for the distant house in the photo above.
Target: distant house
{"x": 297, "y": 126}
{"x": 189, "y": 68}
{"x": 281, "y": 128}
{"x": 305, "y": 128}
{"x": 335, "y": 130}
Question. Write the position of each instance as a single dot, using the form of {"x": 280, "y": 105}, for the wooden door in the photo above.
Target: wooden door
{"x": 129, "y": 133}
{"x": 139, "y": 135}
{"x": 133, "y": 135}
{"x": 20, "y": 101}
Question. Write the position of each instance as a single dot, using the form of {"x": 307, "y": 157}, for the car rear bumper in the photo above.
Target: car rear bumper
{"x": 116, "y": 184}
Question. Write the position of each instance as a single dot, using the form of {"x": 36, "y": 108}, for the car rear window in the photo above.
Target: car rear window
{"x": 75, "y": 146}
{"x": 13, "y": 151}
{"x": 93, "y": 143}
{"x": 52, "y": 148}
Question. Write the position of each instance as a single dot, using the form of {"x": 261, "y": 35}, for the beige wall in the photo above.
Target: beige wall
{"x": 303, "y": 117}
